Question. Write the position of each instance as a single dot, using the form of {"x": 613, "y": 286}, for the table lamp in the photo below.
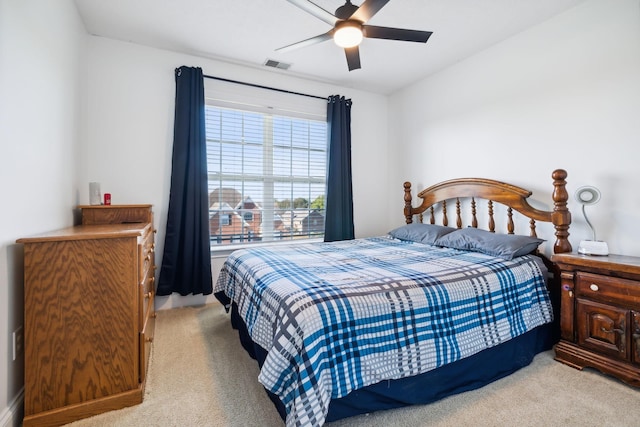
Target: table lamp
{"x": 589, "y": 195}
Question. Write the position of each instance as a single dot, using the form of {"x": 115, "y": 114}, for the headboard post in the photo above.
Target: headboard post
{"x": 561, "y": 217}
{"x": 407, "y": 203}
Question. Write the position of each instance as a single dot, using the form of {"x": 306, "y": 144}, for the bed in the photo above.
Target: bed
{"x": 429, "y": 310}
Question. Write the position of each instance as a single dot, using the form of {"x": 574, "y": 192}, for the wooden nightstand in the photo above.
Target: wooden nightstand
{"x": 600, "y": 314}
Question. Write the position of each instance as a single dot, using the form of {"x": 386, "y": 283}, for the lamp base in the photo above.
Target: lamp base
{"x": 593, "y": 247}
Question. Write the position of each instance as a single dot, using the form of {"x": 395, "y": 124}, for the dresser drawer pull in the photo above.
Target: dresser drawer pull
{"x": 148, "y": 294}
{"x": 594, "y": 287}
{"x": 149, "y": 339}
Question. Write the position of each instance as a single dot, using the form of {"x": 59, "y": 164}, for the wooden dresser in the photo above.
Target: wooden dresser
{"x": 600, "y": 314}
{"x": 89, "y": 315}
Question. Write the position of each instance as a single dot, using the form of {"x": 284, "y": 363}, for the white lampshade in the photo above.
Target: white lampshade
{"x": 349, "y": 34}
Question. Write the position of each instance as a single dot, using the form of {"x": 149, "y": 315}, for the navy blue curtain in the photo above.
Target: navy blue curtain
{"x": 339, "y": 215}
{"x": 186, "y": 262}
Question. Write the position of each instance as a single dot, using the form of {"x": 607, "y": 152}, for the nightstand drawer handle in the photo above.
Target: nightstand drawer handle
{"x": 612, "y": 330}
{"x": 594, "y": 287}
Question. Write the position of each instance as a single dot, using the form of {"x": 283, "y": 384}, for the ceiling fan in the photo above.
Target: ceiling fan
{"x": 349, "y": 28}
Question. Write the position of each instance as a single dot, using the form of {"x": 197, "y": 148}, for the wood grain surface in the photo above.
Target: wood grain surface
{"x": 80, "y": 321}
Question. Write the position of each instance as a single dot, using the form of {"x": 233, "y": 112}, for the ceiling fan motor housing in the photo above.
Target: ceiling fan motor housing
{"x": 345, "y": 11}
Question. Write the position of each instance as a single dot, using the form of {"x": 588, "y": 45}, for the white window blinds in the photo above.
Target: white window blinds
{"x": 266, "y": 165}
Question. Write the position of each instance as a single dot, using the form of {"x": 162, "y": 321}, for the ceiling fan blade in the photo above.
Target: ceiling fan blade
{"x": 368, "y": 9}
{"x": 315, "y": 10}
{"x": 353, "y": 57}
{"x": 389, "y": 33}
{"x": 308, "y": 42}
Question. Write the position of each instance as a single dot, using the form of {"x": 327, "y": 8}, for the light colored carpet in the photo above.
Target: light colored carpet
{"x": 201, "y": 376}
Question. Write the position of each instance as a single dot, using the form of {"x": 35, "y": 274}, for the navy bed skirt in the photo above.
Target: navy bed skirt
{"x": 467, "y": 374}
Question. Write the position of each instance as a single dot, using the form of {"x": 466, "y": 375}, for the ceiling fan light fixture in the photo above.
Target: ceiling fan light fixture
{"x": 350, "y": 26}
{"x": 348, "y": 34}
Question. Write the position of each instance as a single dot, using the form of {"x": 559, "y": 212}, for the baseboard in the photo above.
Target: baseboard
{"x": 175, "y": 300}
{"x": 12, "y": 416}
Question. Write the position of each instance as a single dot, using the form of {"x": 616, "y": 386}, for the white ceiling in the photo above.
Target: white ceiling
{"x": 247, "y": 32}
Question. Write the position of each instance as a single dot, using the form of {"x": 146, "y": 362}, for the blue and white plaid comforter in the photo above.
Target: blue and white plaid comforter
{"x": 335, "y": 317}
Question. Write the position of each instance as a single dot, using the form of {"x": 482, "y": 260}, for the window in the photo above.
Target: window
{"x": 225, "y": 219}
{"x": 267, "y": 170}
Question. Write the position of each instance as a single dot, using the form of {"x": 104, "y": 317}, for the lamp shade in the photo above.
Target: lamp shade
{"x": 588, "y": 195}
{"x": 348, "y": 34}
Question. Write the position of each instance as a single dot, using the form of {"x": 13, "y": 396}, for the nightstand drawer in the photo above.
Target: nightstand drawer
{"x": 602, "y": 328}
{"x": 606, "y": 288}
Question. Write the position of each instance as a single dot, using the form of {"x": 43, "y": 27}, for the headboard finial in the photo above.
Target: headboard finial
{"x": 407, "y": 203}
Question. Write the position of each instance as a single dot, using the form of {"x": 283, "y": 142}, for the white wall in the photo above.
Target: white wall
{"x": 41, "y": 59}
{"x": 564, "y": 94}
{"x": 129, "y": 131}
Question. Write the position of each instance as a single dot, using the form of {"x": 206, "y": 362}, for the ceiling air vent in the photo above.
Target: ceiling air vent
{"x": 277, "y": 64}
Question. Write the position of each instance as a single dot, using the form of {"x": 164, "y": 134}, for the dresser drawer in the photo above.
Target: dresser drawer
{"x": 116, "y": 214}
{"x": 147, "y": 291}
{"x": 146, "y": 340}
{"x": 608, "y": 289}
{"x": 147, "y": 255}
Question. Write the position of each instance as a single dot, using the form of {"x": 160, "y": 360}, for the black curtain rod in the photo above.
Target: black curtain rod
{"x": 263, "y": 87}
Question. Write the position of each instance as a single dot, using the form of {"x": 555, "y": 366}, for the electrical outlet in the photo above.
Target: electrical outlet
{"x": 18, "y": 343}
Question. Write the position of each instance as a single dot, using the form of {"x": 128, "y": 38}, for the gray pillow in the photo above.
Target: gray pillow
{"x": 506, "y": 246}
{"x": 421, "y": 233}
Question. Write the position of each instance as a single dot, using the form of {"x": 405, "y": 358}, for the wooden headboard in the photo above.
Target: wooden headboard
{"x": 515, "y": 198}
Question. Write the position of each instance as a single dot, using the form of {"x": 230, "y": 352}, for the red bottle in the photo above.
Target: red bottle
{"x": 107, "y": 198}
